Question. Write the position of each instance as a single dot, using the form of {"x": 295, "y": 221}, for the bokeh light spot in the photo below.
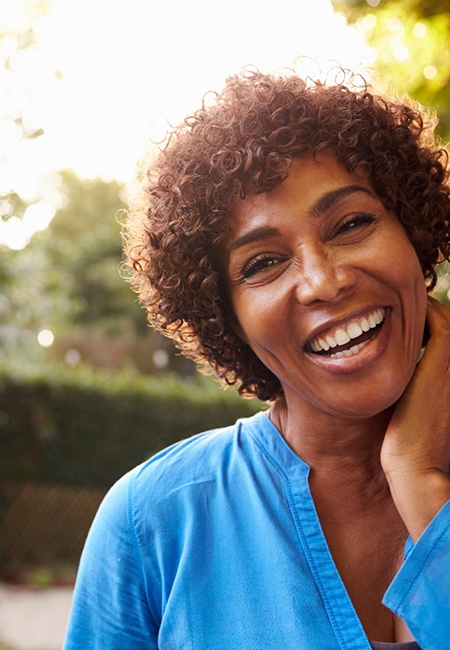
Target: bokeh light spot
{"x": 419, "y": 30}
{"x": 429, "y": 72}
{"x": 401, "y": 52}
{"x": 45, "y": 338}
{"x": 161, "y": 359}
{"x": 395, "y": 26}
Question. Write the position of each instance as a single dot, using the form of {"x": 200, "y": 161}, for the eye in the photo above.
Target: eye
{"x": 355, "y": 222}
{"x": 258, "y": 264}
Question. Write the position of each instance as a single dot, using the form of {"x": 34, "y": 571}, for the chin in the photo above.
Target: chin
{"x": 375, "y": 403}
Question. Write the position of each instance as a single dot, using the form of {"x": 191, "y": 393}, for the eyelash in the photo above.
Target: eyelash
{"x": 258, "y": 263}
{"x": 262, "y": 262}
{"x": 355, "y": 221}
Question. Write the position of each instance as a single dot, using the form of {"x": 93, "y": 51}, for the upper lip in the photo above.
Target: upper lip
{"x": 333, "y": 324}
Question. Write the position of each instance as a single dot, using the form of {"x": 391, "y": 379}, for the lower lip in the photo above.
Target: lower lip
{"x": 362, "y": 360}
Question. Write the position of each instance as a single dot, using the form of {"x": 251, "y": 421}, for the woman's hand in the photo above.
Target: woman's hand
{"x": 416, "y": 450}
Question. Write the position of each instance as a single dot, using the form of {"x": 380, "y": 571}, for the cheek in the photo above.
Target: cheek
{"x": 414, "y": 296}
{"x": 401, "y": 261}
{"x": 261, "y": 325}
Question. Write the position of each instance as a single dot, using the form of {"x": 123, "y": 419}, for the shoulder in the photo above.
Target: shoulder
{"x": 198, "y": 459}
{"x": 202, "y": 458}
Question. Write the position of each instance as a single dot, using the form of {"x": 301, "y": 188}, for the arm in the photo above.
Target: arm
{"x": 416, "y": 450}
{"x": 416, "y": 459}
{"x": 110, "y": 608}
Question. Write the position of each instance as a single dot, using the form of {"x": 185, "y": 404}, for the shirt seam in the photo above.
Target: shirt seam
{"x": 137, "y": 552}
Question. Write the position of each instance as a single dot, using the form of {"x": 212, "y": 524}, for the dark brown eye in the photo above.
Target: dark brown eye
{"x": 257, "y": 264}
{"x": 354, "y": 222}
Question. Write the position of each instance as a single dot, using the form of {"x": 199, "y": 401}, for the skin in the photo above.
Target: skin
{"x": 303, "y": 260}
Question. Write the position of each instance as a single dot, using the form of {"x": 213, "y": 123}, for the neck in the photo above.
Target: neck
{"x": 335, "y": 448}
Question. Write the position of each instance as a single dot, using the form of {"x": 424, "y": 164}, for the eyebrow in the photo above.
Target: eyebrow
{"x": 322, "y": 205}
{"x": 254, "y": 235}
{"x": 330, "y": 198}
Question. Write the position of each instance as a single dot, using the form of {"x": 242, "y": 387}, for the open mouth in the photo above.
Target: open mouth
{"x": 350, "y": 338}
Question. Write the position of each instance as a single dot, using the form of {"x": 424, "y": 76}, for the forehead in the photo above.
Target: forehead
{"x": 310, "y": 181}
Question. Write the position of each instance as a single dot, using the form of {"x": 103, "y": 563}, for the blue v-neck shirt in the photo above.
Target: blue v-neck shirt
{"x": 215, "y": 544}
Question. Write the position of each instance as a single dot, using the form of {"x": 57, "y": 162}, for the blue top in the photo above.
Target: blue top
{"x": 215, "y": 543}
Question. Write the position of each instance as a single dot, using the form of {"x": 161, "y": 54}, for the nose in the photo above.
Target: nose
{"x": 323, "y": 276}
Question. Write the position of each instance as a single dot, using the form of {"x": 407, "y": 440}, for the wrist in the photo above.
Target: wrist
{"x": 418, "y": 496}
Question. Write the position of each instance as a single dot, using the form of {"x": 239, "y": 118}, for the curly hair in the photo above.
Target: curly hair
{"x": 244, "y": 142}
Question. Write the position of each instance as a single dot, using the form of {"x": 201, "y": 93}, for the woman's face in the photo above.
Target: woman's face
{"x": 327, "y": 289}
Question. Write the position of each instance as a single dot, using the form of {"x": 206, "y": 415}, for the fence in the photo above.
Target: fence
{"x": 44, "y": 526}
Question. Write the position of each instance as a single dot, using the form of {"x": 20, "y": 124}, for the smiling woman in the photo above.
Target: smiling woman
{"x": 313, "y": 258}
{"x": 244, "y": 145}
{"x": 288, "y": 237}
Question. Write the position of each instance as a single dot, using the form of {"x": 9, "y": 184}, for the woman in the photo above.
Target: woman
{"x": 288, "y": 238}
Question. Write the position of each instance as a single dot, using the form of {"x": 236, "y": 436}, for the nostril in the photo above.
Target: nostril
{"x": 325, "y": 289}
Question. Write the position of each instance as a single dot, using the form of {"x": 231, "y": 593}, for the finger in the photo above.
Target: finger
{"x": 440, "y": 308}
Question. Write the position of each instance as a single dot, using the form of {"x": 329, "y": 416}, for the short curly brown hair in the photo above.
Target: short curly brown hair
{"x": 243, "y": 142}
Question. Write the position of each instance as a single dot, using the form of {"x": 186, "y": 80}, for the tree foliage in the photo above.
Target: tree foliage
{"x": 18, "y": 47}
{"x": 67, "y": 280}
{"x": 83, "y": 247}
{"x": 410, "y": 38}
{"x": 68, "y": 274}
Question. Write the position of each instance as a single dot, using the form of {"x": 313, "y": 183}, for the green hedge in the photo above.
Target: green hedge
{"x": 87, "y": 428}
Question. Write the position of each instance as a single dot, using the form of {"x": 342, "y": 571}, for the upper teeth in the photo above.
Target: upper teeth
{"x": 351, "y": 330}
